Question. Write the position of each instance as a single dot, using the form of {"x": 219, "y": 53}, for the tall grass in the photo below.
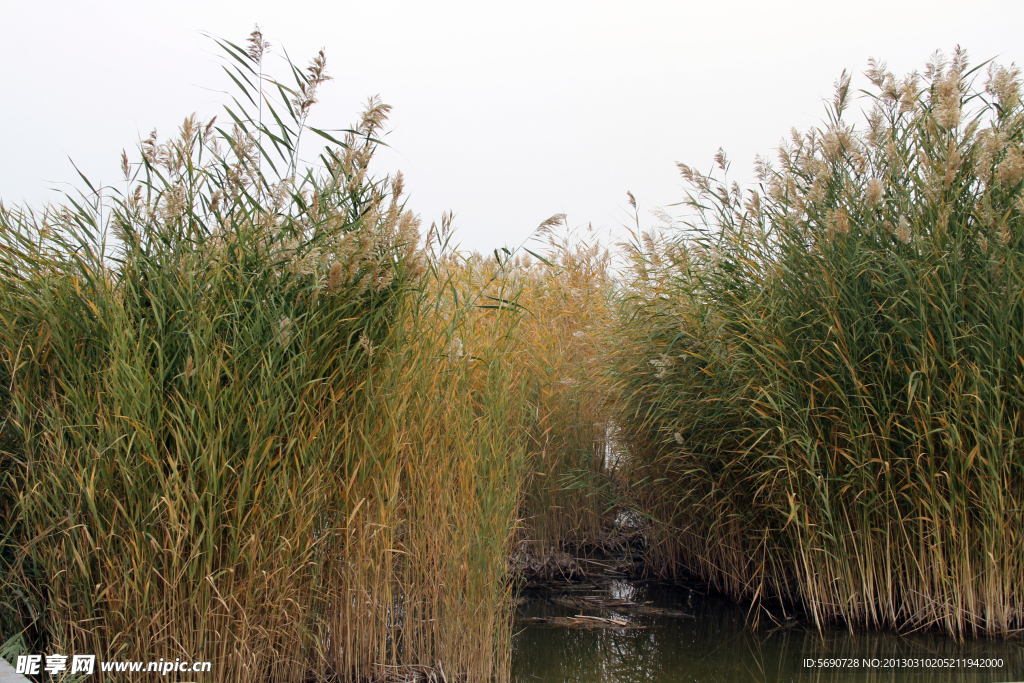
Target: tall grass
{"x": 176, "y": 391}
{"x": 566, "y": 294}
{"x": 231, "y": 428}
{"x": 555, "y": 353}
{"x": 250, "y": 417}
{"x": 821, "y": 380}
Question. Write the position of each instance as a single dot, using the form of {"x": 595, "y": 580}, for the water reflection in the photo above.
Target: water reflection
{"x": 715, "y": 646}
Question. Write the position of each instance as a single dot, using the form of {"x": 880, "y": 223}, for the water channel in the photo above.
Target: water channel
{"x": 683, "y": 633}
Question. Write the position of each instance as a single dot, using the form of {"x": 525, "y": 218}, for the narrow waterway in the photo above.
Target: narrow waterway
{"x": 683, "y": 633}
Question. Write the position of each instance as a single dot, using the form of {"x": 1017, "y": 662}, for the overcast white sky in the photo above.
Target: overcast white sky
{"x": 504, "y": 113}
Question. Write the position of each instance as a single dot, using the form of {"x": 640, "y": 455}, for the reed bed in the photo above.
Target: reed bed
{"x": 252, "y": 416}
{"x": 566, "y": 291}
{"x": 188, "y": 364}
{"x": 504, "y": 446}
{"x": 821, "y": 378}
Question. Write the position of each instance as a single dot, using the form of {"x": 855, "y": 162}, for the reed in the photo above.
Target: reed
{"x": 250, "y": 417}
{"x": 568, "y": 497}
{"x": 821, "y": 378}
{"x": 175, "y": 388}
{"x": 560, "y": 296}
{"x": 232, "y": 429}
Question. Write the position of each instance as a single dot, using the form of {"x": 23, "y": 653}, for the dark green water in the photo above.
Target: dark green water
{"x": 716, "y": 646}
